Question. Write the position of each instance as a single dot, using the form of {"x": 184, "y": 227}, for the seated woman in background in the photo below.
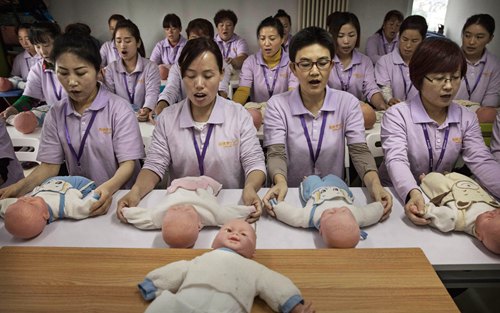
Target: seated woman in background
{"x": 167, "y": 51}
{"x": 306, "y": 129}
{"x": 92, "y": 130}
{"x": 234, "y": 49}
{"x": 26, "y": 59}
{"x": 42, "y": 85}
{"x": 174, "y": 90}
{"x": 109, "y": 52}
{"x": 286, "y": 21}
{"x": 392, "y": 71}
{"x": 204, "y": 134}
{"x": 386, "y": 38}
{"x": 132, "y": 76}
{"x": 267, "y": 72}
{"x": 429, "y": 132}
{"x": 353, "y": 71}
{"x": 481, "y": 84}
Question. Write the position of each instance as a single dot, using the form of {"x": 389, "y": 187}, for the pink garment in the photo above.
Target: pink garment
{"x": 193, "y": 183}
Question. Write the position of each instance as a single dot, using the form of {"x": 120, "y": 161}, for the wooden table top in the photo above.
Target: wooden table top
{"x": 55, "y": 279}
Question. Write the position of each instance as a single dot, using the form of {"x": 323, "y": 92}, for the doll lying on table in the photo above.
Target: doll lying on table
{"x": 11, "y": 83}
{"x": 224, "y": 280}
{"x": 58, "y": 197}
{"x": 329, "y": 208}
{"x": 459, "y": 203}
{"x": 189, "y": 204}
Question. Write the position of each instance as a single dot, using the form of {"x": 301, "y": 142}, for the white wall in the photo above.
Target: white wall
{"x": 148, "y": 15}
{"x": 458, "y": 12}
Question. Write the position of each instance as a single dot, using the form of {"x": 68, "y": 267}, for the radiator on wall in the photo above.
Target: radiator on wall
{"x": 315, "y": 12}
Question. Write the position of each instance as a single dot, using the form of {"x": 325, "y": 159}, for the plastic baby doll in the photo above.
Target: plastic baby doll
{"x": 459, "y": 203}
{"x": 329, "y": 208}
{"x": 14, "y": 82}
{"x": 257, "y": 111}
{"x": 189, "y": 205}
{"x": 224, "y": 280}
{"x": 56, "y": 198}
{"x": 26, "y": 122}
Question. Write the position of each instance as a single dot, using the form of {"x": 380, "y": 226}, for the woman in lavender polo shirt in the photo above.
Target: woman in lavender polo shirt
{"x": 108, "y": 51}
{"x": 481, "y": 84}
{"x": 386, "y": 38}
{"x": 132, "y": 76}
{"x": 429, "y": 132}
{"x": 353, "y": 71}
{"x": 234, "y": 49}
{"x": 204, "y": 134}
{"x": 42, "y": 83}
{"x": 266, "y": 72}
{"x": 391, "y": 70}
{"x": 92, "y": 130}
{"x": 26, "y": 59}
{"x": 306, "y": 129}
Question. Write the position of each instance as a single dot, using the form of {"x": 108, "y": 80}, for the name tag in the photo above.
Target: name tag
{"x": 335, "y": 126}
{"x": 229, "y": 143}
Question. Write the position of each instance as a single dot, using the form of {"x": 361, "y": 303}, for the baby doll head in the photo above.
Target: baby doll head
{"x": 27, "y": 217}
{"x": 369, "y": 115}
{"x": 5, "y": 84}
{"x": 488, "y": 230}
{"x": 256, "y": 117}
{"x": 163, "y": 71}
{"x": 339, "y": 228}
{"x": 181, "y": 225}
{"x": 26, "y": 122}
{"x": 237, "y": 235}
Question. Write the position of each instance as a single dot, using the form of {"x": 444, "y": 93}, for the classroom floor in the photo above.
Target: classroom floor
{"x": 479, "y": 300}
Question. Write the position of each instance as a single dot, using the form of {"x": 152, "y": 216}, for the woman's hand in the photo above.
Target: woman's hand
{"x": 250, "y": 197}
{"x": 378, "y": 193}
{"x": 8, "y": 112}
{"x": 102, "y": 205}
{"x": 13, "y": 191}
{"x": 143, "y": 114}
{"x": 278, "y": 192}
{"x": 393, "y": 101}
{"x": 415, "y": 208}
{"x": 131, "y": 199}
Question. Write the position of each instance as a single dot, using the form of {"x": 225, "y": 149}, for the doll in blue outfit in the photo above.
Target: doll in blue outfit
{"x": 56, "y": 198}
{"x": 328, "y": 206}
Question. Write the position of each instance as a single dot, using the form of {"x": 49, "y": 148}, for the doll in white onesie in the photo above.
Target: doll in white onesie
{"x": 189, "y": 204}
{"x": 459, "y": 203}
{"x": 328, "y": 206}
{"x": 222, "y": 280}
{"x": 56, "y": 198}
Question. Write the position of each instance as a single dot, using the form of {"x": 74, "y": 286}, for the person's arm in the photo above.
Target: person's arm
{"x": 371, "y": 48}
{"x": 495, "y": 139}
{"x": 378, "y": 101}
{"x": 172, "y": 93}
{"x": 27, "y": 184}
{"x": 491, "y": 97}
{"x": 156, "y": 53}
{"x": 378, "y": 193}
{"x": 246, "y": 81}
{"x": 277, "y": 167}
{"x": 253, "y": 183}
{"x": 237, "y": 62}
{"x": 152, "y": 86}
{"x": 241, "y": 95}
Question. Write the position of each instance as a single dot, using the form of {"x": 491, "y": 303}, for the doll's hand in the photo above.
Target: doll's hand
{"x": 379, "y": 194}
{"x": 143, "y": 114}
{"x": 131, "y": 199}
{"x": 250, "y": 197}
{"x": 393, "y": 101}
{"x": 414, "y": 208}
{"x": 8, "y": 112}
{"x": 277, "y": 192}
{"x": 303, "y": 308}
{"x": 102, "y": 205}
{"x": 152, "y": 117}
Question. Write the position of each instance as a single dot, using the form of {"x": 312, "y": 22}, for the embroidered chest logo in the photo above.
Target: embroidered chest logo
{"x": 457, "y": 139}
{"x": 105, "y": 130}
{"x": 229, "y": 143}
{"x": 335, "y": 127}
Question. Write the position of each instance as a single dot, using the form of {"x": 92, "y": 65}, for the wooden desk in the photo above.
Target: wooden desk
{"x": 105, "y": 280}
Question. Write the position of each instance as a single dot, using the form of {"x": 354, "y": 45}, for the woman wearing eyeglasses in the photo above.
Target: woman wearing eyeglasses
{"x": 429, "y": 132}
{"x": 305, "y": 130}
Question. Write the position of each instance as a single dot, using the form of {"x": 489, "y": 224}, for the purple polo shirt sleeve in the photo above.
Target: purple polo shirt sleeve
{"x": 372, "y": 47}
{"x": 51, "y": 148}
{"x": 247, "y": 69}
{"x": 275, "y": 124}
{"x": 495, "y": 139}
{"x": 370, "y": 87}
{"x": 172, "y": 93}
{"x": 109, "y": 79}
{"x": 104, "y": 53}
{"x": 241, "y": 47}
{"x": 251, "y": 155}
{"x": 478, "y": 157}
{"x": 151, "y": 84}
{"x": 395, "y": 146}
{"x": 34, "y": 82}
{"x": 127, "y": 139}
{"x": 158, "y": 154}
{"x": 383, "y": 70}
{"x": 293, "y": 82}
{"x": 492, "y": 94}
{"x": 156, "y": 53}
{"x": 224, "y": 84}
{"x": 19, "y": 65}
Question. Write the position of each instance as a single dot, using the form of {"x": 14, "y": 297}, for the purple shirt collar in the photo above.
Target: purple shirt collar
{"x": 297, "y": 106}
{"x": 420, "y": 116}
{"x": 166, "y": 44}
{"x": 139, "y": 67}
{"x": 216, "y": 117}
{"x": 99, "y": 102}
{"x": 356, "y": 59}
{"x": 234, "y": 37}
{"x": 283, "y": 62}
